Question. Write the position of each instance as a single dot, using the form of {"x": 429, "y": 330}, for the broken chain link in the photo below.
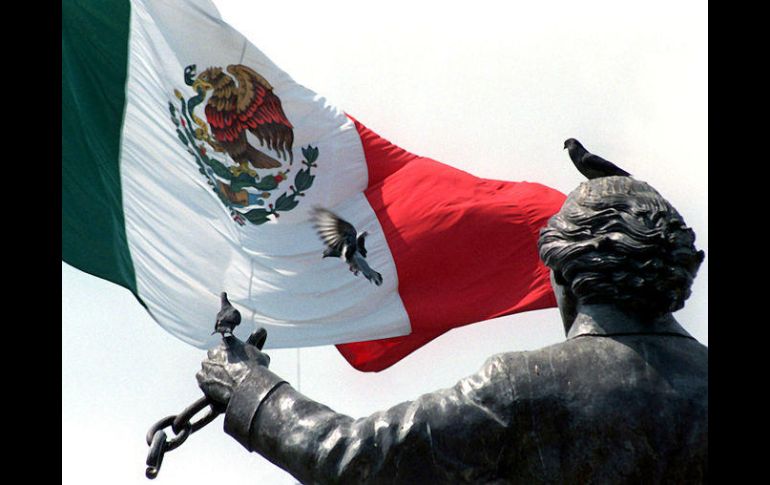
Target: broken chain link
{"x": 180, "y": 423}
{"x": 181, "y": 427}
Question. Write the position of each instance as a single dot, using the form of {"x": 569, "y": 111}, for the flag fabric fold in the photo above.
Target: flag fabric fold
{"x": 191, "y": 164}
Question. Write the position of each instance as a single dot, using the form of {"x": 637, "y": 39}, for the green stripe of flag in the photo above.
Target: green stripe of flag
{"x": 94, "y": 69}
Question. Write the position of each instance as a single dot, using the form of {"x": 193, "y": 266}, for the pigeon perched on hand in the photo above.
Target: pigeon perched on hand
{"x": 342, "y": 240}
{"x": 590, "y": 165}
{"x": 228, "y": 317}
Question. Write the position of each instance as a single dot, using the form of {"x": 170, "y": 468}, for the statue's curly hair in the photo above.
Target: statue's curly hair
{"x": 617, "y": 240}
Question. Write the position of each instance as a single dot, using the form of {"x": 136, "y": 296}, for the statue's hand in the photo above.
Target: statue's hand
{"x": 229, "y": 364}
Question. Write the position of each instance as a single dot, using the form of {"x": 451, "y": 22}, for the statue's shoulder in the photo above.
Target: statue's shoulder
{"x": 601, "y": 364}
{"x": 526, "y": 360}
{"x": 532, "y": 373}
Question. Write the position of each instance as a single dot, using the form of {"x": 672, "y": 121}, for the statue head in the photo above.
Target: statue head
{"x": 617, "y": 241}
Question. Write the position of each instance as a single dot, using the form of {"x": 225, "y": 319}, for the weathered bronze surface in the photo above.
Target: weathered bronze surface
{"x": 623, "y": 400}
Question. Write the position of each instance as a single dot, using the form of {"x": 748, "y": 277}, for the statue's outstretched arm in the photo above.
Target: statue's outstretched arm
{"x": 454, "y": 435}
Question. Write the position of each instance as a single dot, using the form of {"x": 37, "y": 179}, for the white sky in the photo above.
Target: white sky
{"x": 493, "y": 88}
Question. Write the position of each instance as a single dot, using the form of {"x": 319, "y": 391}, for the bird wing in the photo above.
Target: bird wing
{"x": 258, "y": 110}
{"x": 221, "y": 115}
{"x": 334, "y": 231}
{"x": 598, "y": 163}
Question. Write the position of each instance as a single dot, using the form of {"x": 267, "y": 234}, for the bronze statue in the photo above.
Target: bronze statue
{"x": 623, "y": 400}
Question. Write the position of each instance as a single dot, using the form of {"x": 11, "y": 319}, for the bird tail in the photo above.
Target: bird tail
{"x": 374, "y": 277}
{"x": 261, "y": 160}
{"x": 368, "y": 272}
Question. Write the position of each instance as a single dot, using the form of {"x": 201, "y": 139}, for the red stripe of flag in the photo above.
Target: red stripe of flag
{"x": 465, "y": 248}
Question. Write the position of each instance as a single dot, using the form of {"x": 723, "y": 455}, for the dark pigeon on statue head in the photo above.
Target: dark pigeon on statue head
{"x": 590, "y": 165}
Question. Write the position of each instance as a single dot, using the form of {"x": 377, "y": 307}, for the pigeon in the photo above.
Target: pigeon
{"x": 342, "y": 240}
{"x": 228, "y": 317}
{"x": 590, "y": 165}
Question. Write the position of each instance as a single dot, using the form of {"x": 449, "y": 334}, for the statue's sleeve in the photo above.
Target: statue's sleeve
{"x": 454, "y": 435}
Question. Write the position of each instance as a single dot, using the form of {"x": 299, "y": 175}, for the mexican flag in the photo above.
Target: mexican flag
{"x": 191, "y": 165}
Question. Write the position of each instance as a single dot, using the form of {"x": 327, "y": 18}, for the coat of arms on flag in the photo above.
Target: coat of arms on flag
{"x": 241, "y": 109}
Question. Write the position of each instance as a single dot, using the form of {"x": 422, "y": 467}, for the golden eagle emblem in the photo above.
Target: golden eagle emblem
{"x": 241, "y": 103}
{"x": 241, "y": 109}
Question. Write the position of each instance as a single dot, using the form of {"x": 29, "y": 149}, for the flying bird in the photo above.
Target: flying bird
{"x": 342, "y": 240}
{"x": 250, "y": 105}
{"x": 590, "y": 165}
{"x": 228, "y": 317}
